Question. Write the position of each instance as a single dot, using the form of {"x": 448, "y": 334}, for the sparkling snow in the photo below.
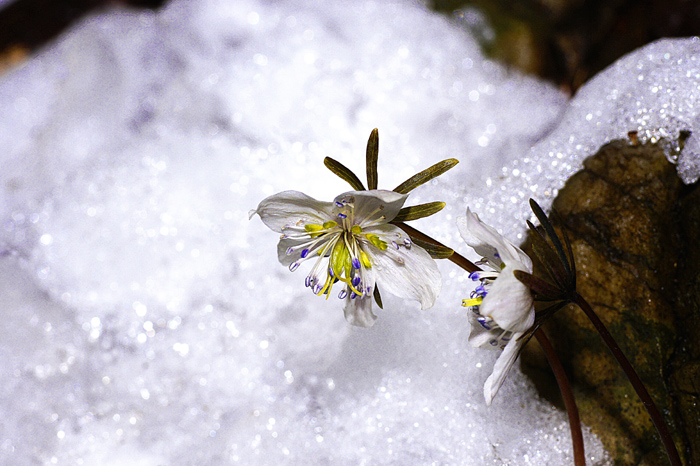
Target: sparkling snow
{"x": 147, "y": 320}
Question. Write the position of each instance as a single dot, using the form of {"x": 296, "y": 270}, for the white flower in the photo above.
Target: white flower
{"x": 502, "y": 307}
{"x": 352, "y": 242}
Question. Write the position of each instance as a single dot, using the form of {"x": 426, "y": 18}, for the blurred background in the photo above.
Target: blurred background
{"x": 563, "y": 41}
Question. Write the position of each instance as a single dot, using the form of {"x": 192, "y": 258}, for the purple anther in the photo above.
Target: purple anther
{"x": 353, "y": 295}
{"x": 395, "y": 244}
{"x": 293, "y": 266}
{"x": 494, "y": 342}
{"x": 308, "y": 281}
{"x": 356, "y": 263}
{"x": 343, "y": 294}
{"x": 330, "y": 271}
{"x": 304, "y": 253}
{"x": 483, "y": 322}
{"x": 290, "y": 250}
{"x": 342, "y": 215}
{"x": 474, "y": 276}
{"x": 317, "y": 289}
{"x": 338, "y": 203}
{"x": 356, "y": 280}
{"x": 407, "y": 242}
{"x": 505, "y": 338}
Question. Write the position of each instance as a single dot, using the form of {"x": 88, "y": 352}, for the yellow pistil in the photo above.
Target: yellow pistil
{"x": 341, "y": 265}
{"x": 472, "y": 302}
{"x": 340, "y": 260}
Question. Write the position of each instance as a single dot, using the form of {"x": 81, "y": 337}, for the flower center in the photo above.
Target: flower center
{"x": 486, "y": 278}
{"x": 341, "y": 249}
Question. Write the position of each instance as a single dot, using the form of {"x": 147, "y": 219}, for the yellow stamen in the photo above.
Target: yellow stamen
{"x": 313, "y": 230}
{"x": 472, "y": 302}
{"x": 378, "y": 243}
{"x": 364, "y": 260}
{"x": 327, "y": 286}
{"x": 340, "y": 257}
{"x": 353, "y": 288}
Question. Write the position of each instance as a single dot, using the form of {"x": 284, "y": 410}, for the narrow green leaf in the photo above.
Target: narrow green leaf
{"x": 539, "y": 287}
{"x": 425, "y": 176}
{"x": 372, "y": 157}
{"x": 547, "y": 225}
{"x": 418, "y": 211}
{"x": 547, "y": 256}
{"x": 378, "y": 297}
{"x": 435, "y": 251}
{"x": 569, "y": 251}
{"x": 344, "y": 172}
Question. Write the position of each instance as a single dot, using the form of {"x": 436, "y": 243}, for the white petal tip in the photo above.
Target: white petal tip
{"x": 360, "y": 314}
{"x": 488, "y": 393}
{"x": 427, "y": 304}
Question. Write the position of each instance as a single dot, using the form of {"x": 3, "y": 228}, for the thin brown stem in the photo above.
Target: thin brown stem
{"x": 457, "y": 258}
{"x": 554, "y": 362}
{"x": 567, "y": 395}
{"x": 634, "y": 379}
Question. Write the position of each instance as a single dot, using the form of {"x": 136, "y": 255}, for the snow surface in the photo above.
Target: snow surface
{"x": 147, "y": 320}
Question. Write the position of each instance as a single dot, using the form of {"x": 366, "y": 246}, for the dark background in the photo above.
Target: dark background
{"x": 563, "y": 41}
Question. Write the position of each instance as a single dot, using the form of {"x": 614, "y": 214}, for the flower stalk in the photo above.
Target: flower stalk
{"x": 554, "y": 361}
{"x": 567, "y": 395}
{"x": 656, "y": 417}
{"x": 558, "y": 262}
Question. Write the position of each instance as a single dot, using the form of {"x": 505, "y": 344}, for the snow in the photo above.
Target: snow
{"x": 147, "y": 320}
{"x": 653, "y": 91}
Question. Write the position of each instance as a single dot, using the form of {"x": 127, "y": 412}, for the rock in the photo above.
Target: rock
{"x": 685, "y": 370}
{"x": 621, "y": 214}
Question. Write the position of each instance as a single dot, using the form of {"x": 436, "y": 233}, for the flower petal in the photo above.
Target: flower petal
{"x": 480, "y": 337}
{"x": 284, "y": 246}
{"x": 502, "y": 367}
{"x": 509, "y": 303}
{"x": 407, "y": 272}
{"x": 488, "y": 243}
{"x": 358, "y": 311}
{"x": 377, "y": 204}
{"x": 292, "y": 208}
{"x": 479, "y": 236}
